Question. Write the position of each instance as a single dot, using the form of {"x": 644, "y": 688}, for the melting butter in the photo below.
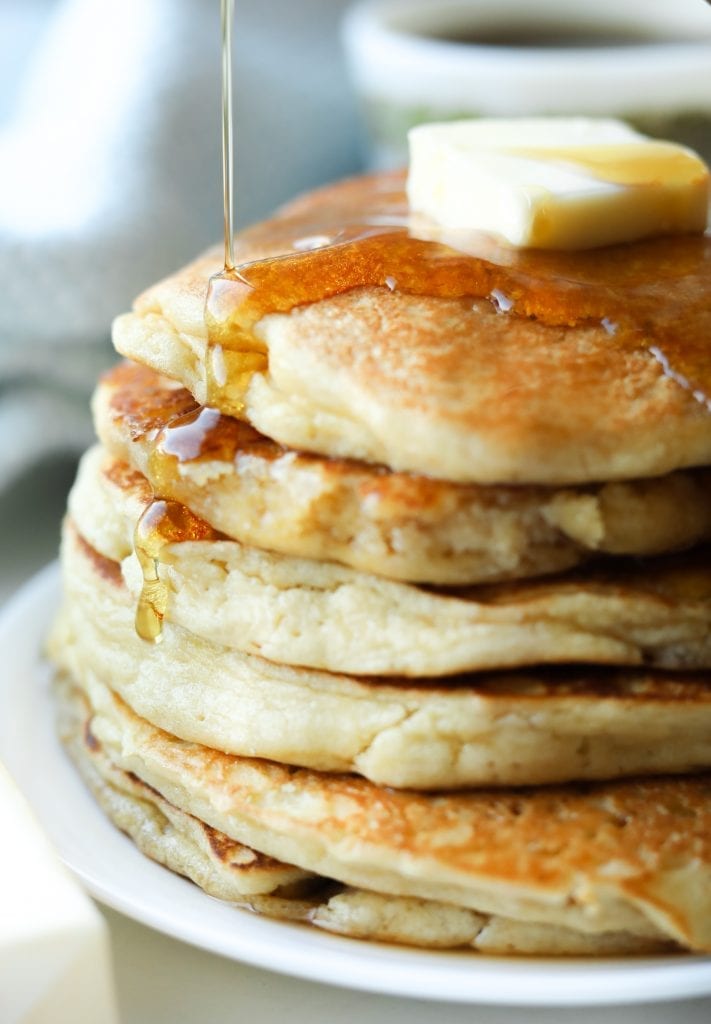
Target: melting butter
{"x": 556, "y": 183}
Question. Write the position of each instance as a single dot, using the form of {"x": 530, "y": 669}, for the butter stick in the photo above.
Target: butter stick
{"x": 555, "y": 183}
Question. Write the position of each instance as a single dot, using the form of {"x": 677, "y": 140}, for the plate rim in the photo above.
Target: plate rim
{"x": 464, "y": 977}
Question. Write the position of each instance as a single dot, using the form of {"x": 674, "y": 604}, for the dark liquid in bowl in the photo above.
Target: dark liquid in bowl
{"x": 546, "y": 37}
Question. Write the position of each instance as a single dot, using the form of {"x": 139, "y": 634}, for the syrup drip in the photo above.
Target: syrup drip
{"x": 202, "y": 435}
{"x": 651, "y": 295}
{"x": 163, "y": 522}
{"x": 235, "y": 353}
{"x": 198, "y": 435}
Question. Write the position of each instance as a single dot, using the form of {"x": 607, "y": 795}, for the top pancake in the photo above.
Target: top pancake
{"x": 581, "y": 380}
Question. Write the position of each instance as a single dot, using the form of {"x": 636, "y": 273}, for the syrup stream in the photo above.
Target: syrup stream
{"x": 227, "y": 133}
{"x": 165, "y": 521}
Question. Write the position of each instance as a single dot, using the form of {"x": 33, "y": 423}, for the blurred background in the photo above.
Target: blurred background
{"x": 110, "y": 155}
{"x": 110, "y": 177}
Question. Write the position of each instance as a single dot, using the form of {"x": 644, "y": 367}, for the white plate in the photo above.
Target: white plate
{"x": 117, "y": 874}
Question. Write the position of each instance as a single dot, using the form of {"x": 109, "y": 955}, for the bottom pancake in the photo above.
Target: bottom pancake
{"x": 629, "y": 857}
{"x": 230, "y": 871}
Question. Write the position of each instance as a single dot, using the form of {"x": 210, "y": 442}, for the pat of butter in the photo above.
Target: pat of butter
{"x": 54, "y": 950}
{"x": 555, "y": 183}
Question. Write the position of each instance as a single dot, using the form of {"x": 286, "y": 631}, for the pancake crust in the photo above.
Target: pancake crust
{"x": 219, "y": 865}
{"x": 321, "y": 615}
{"x": 230, "y": 871}
{"x": 533, "y": 726}
{"x": 394, "y": 524}
{"x": 633, "y": 856}
{"x": 450, "y": 388}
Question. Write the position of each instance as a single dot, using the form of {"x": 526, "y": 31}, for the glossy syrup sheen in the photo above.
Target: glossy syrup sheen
{"x": 179, "y": 428}
{"x": 163, "y": 522}
{"x": 651, "y": 295}
{"x": 181, "y": 431}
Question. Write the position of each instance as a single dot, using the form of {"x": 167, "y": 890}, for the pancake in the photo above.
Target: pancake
{"x": 401, "y": 353}
{"x": 230, "y": 871}
{"x": 632, "y": 856}
{"x": 219, "y": 865}
{"x": 322, "y": 615}
{"x": 398, "y": 525}
{"x": 533, "y": 726}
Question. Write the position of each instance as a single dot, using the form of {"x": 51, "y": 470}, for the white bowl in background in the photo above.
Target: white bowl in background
{"x": 648, "y": 61}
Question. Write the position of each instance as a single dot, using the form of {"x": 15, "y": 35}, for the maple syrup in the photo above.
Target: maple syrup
{"x": 181, "y": 431}
{"x": 163, "y": 522}
{"x": 192, "y": 432}
{"x": 650, "y": 295}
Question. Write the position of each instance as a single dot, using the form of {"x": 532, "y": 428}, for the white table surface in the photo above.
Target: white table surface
{"x": 163, "y": 981}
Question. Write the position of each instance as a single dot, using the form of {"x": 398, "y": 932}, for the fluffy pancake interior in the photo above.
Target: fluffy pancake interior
{"x": 395, "y": 524}
{"x": 230, "y": 871}
{"x": 525, "y": 727}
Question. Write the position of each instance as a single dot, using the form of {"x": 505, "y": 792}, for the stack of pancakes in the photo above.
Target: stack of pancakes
{"x": 435, "y": 648}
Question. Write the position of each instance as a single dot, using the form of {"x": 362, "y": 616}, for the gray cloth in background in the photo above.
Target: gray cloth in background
{"x": 110, "y": 171}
